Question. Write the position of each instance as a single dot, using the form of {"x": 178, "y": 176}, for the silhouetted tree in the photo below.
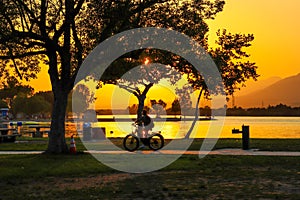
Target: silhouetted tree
{"x": 184, "y": 97}
{"x": 206, "y": 111}
{"x": 3, "y": 104}
{"x": 51, "y": 32}
{"x": 158, "y": 106}
{"x": 61, "y": 34}
{"x": 30, "y": 105}
{"x": 47, "y": 96}
{"x": 133, "y": 109}
{"x": 83, "y": 98}
{"x": 231, "y": 60}
{"x": 176, "y": 107}
{"x": 187, "y": 17}
{"x": 11, "y": 88}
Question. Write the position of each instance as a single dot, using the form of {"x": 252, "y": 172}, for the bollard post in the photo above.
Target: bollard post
{"x": 87, "y": 131}
{"x": 245, "y": 137}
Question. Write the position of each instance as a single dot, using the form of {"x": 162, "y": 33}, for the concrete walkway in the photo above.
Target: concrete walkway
{"x": 234, "y": 152}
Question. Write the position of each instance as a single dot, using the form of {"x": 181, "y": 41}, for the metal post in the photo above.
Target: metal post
{"x": 245, "y": 137}
{"x": 87, "y": 131}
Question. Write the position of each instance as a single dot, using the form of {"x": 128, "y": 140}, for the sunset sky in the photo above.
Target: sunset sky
{"x": 276, "y": 28}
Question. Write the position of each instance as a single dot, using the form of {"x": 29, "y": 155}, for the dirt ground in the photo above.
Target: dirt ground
{"x": 156, "y": 185}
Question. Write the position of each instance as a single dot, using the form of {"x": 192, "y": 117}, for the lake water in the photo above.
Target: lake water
{"x": 260, "y": 127}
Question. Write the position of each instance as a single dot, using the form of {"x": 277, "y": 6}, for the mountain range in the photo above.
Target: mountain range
{"x": 272, "y": 91}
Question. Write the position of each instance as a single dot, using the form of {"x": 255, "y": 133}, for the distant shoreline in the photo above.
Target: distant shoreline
{"x": 154, "y": 119}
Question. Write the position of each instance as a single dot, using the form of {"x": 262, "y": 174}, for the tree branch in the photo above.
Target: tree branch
{"x": 25, "y": 35}
{"x": 66, "y": 23}
{"x": 32, "y": 53}
{"x": 78, "y": 7}
{"x": 77, "y": 44}
{"x": 127, "y": 88}
{"x": 43, "y": 17}
{"x": 53, "y": 26}
{"x": 9, "y": 22}
{"x": 147, "y": 88}
{"x": 14, "y": 62}
{"x": 28, "y": 11}
{"x": 145, "y": 5}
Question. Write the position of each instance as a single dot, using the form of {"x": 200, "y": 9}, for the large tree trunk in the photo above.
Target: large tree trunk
{"x": 57, "y": 142}
{"x": 141, "y": 96}
{"x": 141, "y": 106}
{"x": 187, "y": 136}
{"x": 62, "y": 84}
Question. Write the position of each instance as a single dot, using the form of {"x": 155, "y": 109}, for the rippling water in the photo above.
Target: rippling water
{"x": 260, "y": 127}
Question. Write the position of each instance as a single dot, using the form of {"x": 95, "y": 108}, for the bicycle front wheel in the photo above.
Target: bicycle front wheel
{"x": 156, "y": 142}
{"x": 131, "y": 142}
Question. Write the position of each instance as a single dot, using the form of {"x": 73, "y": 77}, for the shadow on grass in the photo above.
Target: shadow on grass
{"x": 213, "y": 177}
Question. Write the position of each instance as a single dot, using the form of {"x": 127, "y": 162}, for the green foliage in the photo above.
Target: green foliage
{"x": 187, "y": 17}
{"x": 184, "y": 16}
{"x": 278, "y": 110}
{"x": 206, "y": 111}
{"x": 3, "y": 104}
{"x": 184, "y": 97}
{"x": 80, "y": 99}
{"x": 37, "y": 105}
{"x": 158, "y": 106}
{"x": 176, "y": 106}
{"x": 62, "y": 33}
{"x": 11, "y": 88}
{"x": 30, "y": 106}
{"x": 132, "y": 109}
{"x": 47, "y": 96}
{"x": 231, "y": 58}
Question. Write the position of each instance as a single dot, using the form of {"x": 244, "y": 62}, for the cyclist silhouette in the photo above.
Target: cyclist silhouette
{"x": 145, "y": 124}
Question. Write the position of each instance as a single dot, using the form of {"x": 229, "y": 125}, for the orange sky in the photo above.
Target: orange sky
{"x": 276, "y": 28}
{"x": 275, "y": 25}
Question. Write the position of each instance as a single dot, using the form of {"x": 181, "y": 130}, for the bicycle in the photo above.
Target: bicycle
{"x": 132, "y": 141}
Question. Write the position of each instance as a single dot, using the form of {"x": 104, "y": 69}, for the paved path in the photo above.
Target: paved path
{"x": 19, "y": 152}
{"x": 251, "y": 152}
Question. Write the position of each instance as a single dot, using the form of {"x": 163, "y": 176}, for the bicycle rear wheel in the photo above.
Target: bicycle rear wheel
{"x": 131, "y": 142}
{"x": 156, "y": 142}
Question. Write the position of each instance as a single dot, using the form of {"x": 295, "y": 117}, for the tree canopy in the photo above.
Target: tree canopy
{"x": 158, "y": 107}
{"x": 54, "y": 33}
{"x": 29, "y": 106}
{"x": 60, "y": 34}
{"x": 11, "y": 88}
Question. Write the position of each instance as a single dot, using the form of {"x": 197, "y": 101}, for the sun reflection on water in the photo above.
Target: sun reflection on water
{"x": 260, "y": 127}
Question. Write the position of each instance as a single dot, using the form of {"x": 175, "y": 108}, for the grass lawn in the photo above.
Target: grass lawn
{"x": 40, "y": 144}
{"x": 213, "y": 177}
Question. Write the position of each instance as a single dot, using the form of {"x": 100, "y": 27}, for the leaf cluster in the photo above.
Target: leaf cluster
{"x": 11, "y": 88}
{"x": 31, "y": 105}
{"x": 231, "y": 58}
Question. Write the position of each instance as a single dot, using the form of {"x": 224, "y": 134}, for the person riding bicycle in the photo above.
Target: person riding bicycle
{"x": 139, "y": 138}
{"x": 145, "y": 124}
